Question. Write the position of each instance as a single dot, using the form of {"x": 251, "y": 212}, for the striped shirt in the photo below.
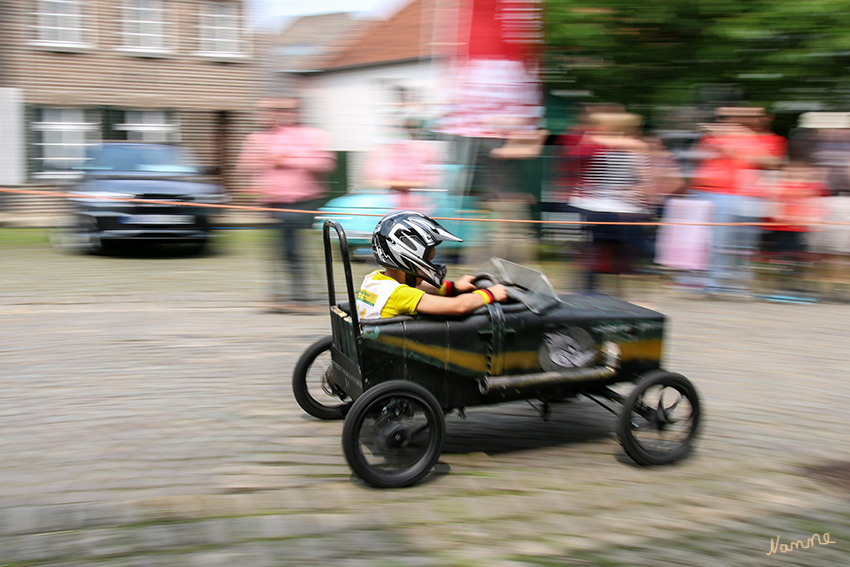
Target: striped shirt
{"x": 609, "y": 180}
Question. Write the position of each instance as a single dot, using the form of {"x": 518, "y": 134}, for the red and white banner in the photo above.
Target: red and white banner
{"x": 495, "y": 82}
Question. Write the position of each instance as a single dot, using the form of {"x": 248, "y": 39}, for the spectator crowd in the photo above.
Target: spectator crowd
{"x": 754, "y": 202}
{"x": 748, "y": 212}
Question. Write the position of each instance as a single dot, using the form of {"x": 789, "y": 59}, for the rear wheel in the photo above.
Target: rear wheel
{"x": 393, "y": 435}
{"x": 660, "y": 419}
{"x": 313, "y": 384}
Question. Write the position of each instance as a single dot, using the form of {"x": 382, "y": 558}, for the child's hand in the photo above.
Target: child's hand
{"x": 464, "y": 284}
{"x": 499, "y": 292}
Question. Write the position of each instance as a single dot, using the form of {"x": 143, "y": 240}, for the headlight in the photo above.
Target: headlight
{"x": 100, "y": 198}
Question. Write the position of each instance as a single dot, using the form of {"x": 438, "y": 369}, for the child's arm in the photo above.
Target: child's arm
{"x": 460, "y": 304}
{"x": 449, "y": 288}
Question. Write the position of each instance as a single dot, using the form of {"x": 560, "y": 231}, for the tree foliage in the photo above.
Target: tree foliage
{"x": 669, "y": 52}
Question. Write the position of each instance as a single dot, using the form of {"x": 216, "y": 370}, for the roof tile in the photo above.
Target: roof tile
{"x": 405, "y": 36}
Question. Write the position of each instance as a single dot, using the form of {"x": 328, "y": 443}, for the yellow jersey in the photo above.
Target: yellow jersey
{"x": 380, "y": 297}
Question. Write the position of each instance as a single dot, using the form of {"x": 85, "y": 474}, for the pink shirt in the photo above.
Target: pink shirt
{"x": 409, "y": 162}
{"x": 288, "y": 163}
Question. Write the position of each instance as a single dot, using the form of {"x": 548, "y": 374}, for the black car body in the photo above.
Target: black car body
{"x": 541, "y": 345}
{"x": 127, "y": 190}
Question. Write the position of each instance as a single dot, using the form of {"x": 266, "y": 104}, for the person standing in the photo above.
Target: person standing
{"x": 289, "y": 161}
{"x": 612, "y": 187}
{"x": 792, "y": 205}
{"x": 736, "y": 151}
{"x": 402, "y": 165}
{"x": 498, "y": 183}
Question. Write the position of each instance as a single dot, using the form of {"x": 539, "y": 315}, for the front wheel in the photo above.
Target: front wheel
{"x": 313, "y": 383}
{"x": 393, "y": 435}
{"x": 91, "y": 241}
{"x": 660, "y": 419}
{"x": 198, "y": 247}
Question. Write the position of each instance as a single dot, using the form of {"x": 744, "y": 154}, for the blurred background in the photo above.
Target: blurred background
{"x": 732, "y": 112}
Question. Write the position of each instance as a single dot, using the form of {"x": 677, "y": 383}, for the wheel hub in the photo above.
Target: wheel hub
{"x": 392, "y": 433}
{"x": 661, "y": 416}
{"x": 329, "y": 386}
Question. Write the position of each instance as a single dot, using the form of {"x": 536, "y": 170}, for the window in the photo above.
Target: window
{"x": 63, "y": 25}
{"x": 61, "y": 138}
{"x": 148, "y": 126}
{"x": 144, "y": 28}
{"x": 220, "y": 30}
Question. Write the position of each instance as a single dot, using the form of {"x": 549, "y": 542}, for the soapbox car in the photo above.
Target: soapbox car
{"x": 393, "y": 380}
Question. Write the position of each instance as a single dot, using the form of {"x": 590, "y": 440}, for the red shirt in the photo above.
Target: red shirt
{"x": 792, "y": 203}
{"x": 729, "y": 167}
{"x": 717, "y": 171}
{"x": 749, "y": 177}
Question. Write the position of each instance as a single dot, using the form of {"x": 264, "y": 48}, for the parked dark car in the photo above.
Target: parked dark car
{"x": 147, "y": 172}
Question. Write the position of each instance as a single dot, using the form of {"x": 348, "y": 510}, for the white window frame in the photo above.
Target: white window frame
{"x": 154, "y": 126}
{"x": 73, "y": 19}
{"x": 73, "y": 121}
{"x": 145, "y": 20}
{"x": 217, "y": 20}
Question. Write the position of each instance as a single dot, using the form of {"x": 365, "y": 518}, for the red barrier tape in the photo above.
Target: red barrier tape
{"x": 352, "y": 214}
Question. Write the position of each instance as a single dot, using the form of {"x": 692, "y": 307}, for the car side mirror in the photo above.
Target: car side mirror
{"x": 210, "y": 169}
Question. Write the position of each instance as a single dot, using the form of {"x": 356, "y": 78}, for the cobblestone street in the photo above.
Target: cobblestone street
{"x": 147, "y": 420}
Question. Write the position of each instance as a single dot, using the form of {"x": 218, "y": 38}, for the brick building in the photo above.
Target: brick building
{"x": 75, "y": 72}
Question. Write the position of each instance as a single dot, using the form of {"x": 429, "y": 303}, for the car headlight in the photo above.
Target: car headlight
{"x": 100, "y": 198}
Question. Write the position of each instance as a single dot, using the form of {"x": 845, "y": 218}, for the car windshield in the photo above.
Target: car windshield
{"x": 538, "y": 293}
{"x": 142, "y": 158}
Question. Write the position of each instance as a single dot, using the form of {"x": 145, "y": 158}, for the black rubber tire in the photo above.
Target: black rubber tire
{"x": 93, "y": 245}
{"x": 636, "y": 413}
{"x": 374, "y": 402}
{"x": 197, "y": 248}
{"x": 89, "y": 235}
{"x": 301, "y": 389}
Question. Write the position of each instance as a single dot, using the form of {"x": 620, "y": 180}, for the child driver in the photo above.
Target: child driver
{"x": 405, "y": 244}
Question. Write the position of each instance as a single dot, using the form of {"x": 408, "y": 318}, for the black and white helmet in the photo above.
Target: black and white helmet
{"x": 404, "y": 240}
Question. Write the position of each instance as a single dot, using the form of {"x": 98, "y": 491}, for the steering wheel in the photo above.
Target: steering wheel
{"x": 484, "y": 280}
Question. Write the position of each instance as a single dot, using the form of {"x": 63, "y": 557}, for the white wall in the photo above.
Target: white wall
{"x": 354, "y": 106}
{"x": 12, "y": 170}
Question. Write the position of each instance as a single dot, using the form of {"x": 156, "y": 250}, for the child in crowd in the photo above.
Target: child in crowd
{"x": 791, "y": 203}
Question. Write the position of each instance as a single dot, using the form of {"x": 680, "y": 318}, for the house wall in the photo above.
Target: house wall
{"x": 105, "y": 74}
{"x": 356, "y": 105}
{"x": 210, "y": 98}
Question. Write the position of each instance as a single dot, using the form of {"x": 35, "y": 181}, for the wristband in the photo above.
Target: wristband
{"x": 486, "y": 295}
{"x": 448, "y": 289}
